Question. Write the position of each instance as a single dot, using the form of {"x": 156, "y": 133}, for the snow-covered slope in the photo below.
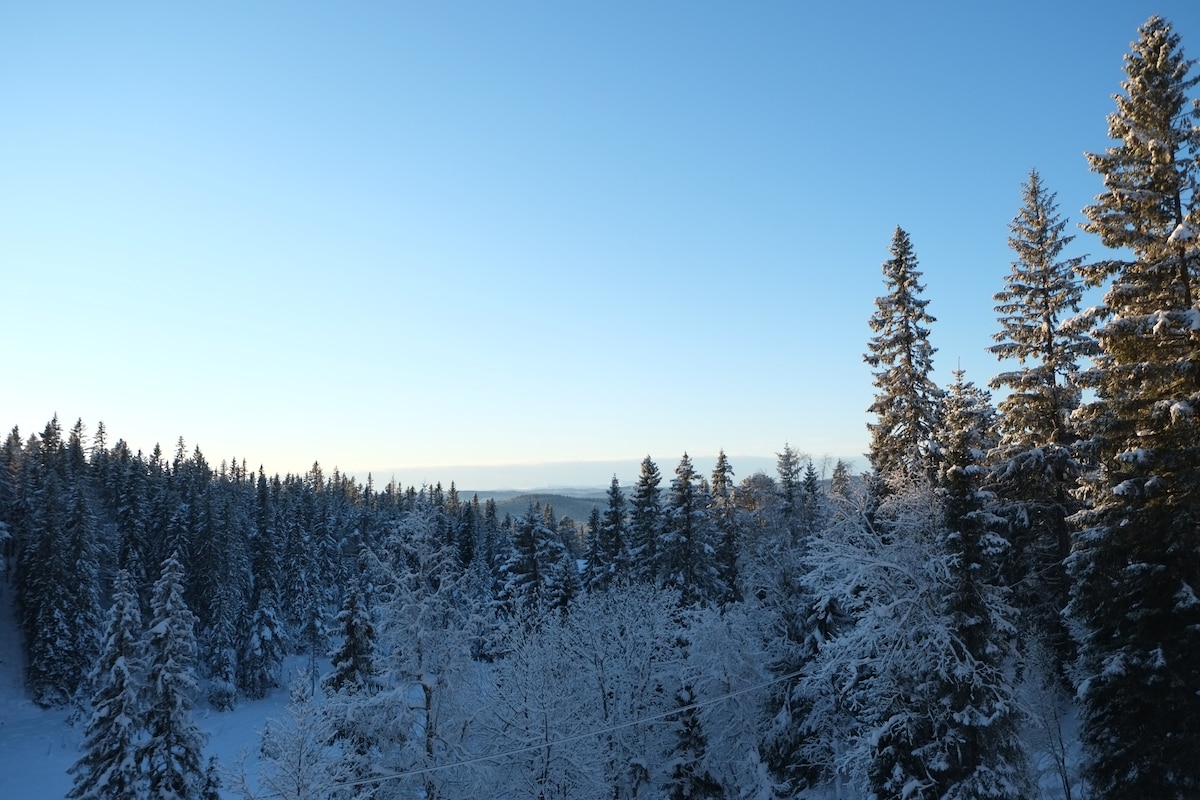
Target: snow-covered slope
{"x": 37, "y": 746}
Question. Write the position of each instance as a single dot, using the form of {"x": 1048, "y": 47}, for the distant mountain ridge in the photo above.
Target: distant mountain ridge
{"x": 578, "y": 505}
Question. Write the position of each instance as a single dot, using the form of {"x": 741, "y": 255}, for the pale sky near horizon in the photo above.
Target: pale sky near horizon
{"x": 399, "y": 237}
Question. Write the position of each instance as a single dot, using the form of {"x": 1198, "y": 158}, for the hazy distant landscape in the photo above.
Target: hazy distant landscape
{"x": 532, "y": 236}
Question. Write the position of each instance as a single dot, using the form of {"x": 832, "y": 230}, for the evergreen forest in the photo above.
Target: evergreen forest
{"x": 1003, "y": 605}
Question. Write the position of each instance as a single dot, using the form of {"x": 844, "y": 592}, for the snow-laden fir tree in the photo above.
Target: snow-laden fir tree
{"x": 906, "y": 398}
{"x": 645, "y": 521}
{"x": 263, "y": 645}
{"x": 593, "y": 562}
{"x": 1036, "y": 471}
{"x": 109, "y": 768}
{"x": 1136, "y": 561}
{"x": 534, "y": 578}
{"x": 222, "y": 587}
{"x": 354, "y": 659}
{"x": 727, "y": 522}
{"x": 912, "y": 698}
{"x": 611, "y": 558}
{"x": 350, "y": 689}
{"x": 172, "y": 752}
{"x": 979, "y": 753}
{"x": 57, "y": 572}
{"x": 796, "y": 620}
{"x": 839, "y": 480}
{"x": 685, "y": 556}
{"x": 84, "y": 612}
{"x": 787, "y": 483}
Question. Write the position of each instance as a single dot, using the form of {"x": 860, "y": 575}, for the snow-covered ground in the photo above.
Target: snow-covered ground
{"x": 37, "y": 746}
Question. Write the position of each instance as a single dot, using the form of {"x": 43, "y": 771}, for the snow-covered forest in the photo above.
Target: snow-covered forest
{"x": 1003, "y": 606}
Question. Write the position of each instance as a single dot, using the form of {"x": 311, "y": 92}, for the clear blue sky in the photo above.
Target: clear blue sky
{"x": 416, "y": 234}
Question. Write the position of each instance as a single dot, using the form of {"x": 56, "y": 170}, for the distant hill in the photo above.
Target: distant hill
{"x": 577, "y": 505}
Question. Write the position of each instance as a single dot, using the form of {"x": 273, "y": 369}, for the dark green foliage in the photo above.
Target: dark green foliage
{"x": 172, "y": 751}
{"x": 645, "y": 521}
{"x": 354, "y": 667}
{"x": 58, "y": 586}
{"x": 609, "y": 559}
{"x": 1136, "y": 560}
{"x": 109, "y": 768}
{"x": 981, "y": 754}
{"x": 685, "y": 555}
{"x": 1035, "y": 470}
{"x": 263, "y": 644}
{"x": 727, "y": 522}
{"x": 906, "y": 399}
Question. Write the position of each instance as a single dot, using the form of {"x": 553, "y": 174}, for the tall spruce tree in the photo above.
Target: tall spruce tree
{"x": 611, "y": 547}
{"x": 727, "y": 520}
{"x": 788, "y": 467}
{"x": 976, "y": 737}
{"x": 1136, "y": 561}
{"x": 172, "y": 752}
{"x": 109, "y": 768}
{"x": 685, "y": 554}
{"x": 353, "y": 661}
{"x": 263, "y": 645}
{"x": 1035, "y": 471}
{"x": 906, "y": 399}
{"x": 645, "y": 521}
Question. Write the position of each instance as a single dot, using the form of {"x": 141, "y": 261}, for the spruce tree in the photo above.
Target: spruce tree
{"x": 1136, "y": 561}
{"x": 263, "y": 646}
{"x": 354, "y": 667}
{"x": 975, "y": 749}
{"x": 685, "y": 556}
{"x": 1036, "y": 471}
{"x": 645, "y": 521}
{"x": 727, "y": 521}
{"x": 172, "y": 751}
{"x": 82, "y": 575}
{"x": 787, "y": 467}
{"x": 839, "y": 480}
{"x": 612, "y": 558}
{"x": 109, "y": 768}
{"x": 55, "y": 663}
{"x": 539, "y": 574}
{"x": 906, "y": 399}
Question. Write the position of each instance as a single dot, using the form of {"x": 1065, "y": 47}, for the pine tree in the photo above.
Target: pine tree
{"x": 172, "y": 752}
{"x": 109, "y": 768}
{"x": 1136, "y": 563}
{"x": 906, "y": 400}
{"x": 1037, "y": 471}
